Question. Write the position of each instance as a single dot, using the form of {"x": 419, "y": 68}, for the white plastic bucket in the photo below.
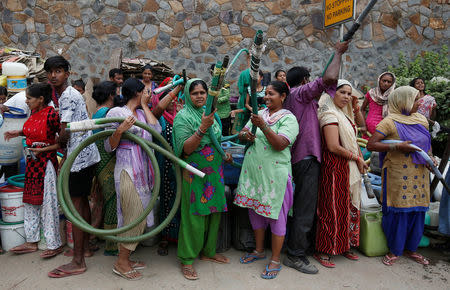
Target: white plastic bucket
{"x": 11, "y": 200}
{"x": 12, "y": 235}
{"x": 11, "y": 151}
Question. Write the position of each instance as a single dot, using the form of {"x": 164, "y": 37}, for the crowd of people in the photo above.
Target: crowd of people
{"x": 301, "y": 173}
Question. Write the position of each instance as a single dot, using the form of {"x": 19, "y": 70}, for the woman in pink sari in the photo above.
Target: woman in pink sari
{"x": 377, "y": 100}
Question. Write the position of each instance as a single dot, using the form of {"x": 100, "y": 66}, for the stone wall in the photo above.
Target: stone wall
{"x": 193, "y": 34}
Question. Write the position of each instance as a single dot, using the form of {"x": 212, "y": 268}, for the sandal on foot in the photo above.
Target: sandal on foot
{"x": 138, "y": 265}
{"x": 268, "y": 271}
{"x": 388, "y": 260}
{"x": 23, "y": 249}
{"x": 128, "y": 275}
{"x": 255, "y": 256}
{"x": 326, "y": 262}
{"x": 51, "y": 253}
{"x": 418, "y": 258}
{"x": 189, "y": 272}
{"x": 351, "y": 256}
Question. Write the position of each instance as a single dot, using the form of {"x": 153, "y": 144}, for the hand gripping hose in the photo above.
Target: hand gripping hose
{"x": 211, "y": 101}
{"x": 427, "y": 158}
{"x": 353, "y": 29}
{"x": 109, "y": 234}
{"x": 177, "y": 80}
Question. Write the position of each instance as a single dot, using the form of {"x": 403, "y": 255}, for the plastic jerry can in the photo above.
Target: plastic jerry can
{"x": 372, "y": 241}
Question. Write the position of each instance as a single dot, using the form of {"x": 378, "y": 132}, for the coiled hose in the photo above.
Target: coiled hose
{"x": 110, "y": 234}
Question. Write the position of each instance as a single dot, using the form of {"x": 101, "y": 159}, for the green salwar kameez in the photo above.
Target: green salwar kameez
{"x": 203, "y": 199}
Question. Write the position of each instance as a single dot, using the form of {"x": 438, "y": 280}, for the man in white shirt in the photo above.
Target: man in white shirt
{"x": 72, "y": 108}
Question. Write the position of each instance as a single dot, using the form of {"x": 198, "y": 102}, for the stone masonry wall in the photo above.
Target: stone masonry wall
{"x": 193, "y": 34}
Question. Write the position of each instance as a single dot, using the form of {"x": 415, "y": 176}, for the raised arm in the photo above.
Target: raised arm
{"x": 151, "y": 119}
{"x": 332, "y": 73}
{"x": 165, "y": 102}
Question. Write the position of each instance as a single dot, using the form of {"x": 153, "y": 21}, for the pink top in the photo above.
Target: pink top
{"x": 374, "y": 116}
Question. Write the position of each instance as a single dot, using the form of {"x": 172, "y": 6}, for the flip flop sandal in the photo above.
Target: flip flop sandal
{"x": 418, "y": 258}
{"x": 255, "y": 256}
{"x": 324, "y": 262}
{"x": 127, "y": 276}
{"x": 189, "y": 272}
{"x": 350, "y": 256}
{"x": 58, "y": 273}
{"x": 138, "y": 265}
{"x": 389, "y": 261}
{"x": 51, "y": 253}
{"x": 267, "y": 276}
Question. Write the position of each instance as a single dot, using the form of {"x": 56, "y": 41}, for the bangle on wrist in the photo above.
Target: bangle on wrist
{"x": 200, "y": 132}
{"x": 392, "y": 147}
{"x": 198, "y": 135}
{"x": 264, "y": 128}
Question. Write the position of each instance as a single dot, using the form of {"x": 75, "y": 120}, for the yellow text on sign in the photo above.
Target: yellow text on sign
{"x": 337, "y": 11}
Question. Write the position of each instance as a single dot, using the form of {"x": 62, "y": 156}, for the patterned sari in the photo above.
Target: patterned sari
{"x": 339, "y": 195}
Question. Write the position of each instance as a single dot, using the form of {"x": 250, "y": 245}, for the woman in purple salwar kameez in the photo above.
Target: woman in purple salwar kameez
{"x": 133, "y": 173}
{"x": 406, "y": 182}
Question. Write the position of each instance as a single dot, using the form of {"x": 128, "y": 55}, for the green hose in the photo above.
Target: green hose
{"x": 17, "y": 180}
{"x": 109, "y": 234}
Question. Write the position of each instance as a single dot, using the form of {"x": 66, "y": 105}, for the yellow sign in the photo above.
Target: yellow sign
{"x": 338, "y": 11}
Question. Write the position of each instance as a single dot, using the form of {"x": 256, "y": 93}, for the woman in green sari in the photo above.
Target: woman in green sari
{"x": 203, "y": 199}
{"x": 104, "y": 95}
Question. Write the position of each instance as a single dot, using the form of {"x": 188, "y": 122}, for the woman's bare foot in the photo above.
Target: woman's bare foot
{"x": 217, "y": 258}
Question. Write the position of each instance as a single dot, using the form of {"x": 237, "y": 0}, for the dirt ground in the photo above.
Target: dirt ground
{"x": 29, "y": 271}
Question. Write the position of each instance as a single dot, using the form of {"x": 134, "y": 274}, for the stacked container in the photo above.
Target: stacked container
{"x": 11, "y": 225}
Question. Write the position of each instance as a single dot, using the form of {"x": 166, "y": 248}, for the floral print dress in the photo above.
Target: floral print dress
{"x": 207, "y": 195}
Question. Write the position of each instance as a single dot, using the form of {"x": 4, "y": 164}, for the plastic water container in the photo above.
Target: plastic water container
{"x": 372, "y": 241}
{"x": 232, "y": 173}
{"x": 12, "y": 234}
{"x": 368, "y": 204}
{"x": 11, "y": 203}
{"x": 16, "y": 74}
{"x": 433, "y": 212}
{"x": 11, "y": 151}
